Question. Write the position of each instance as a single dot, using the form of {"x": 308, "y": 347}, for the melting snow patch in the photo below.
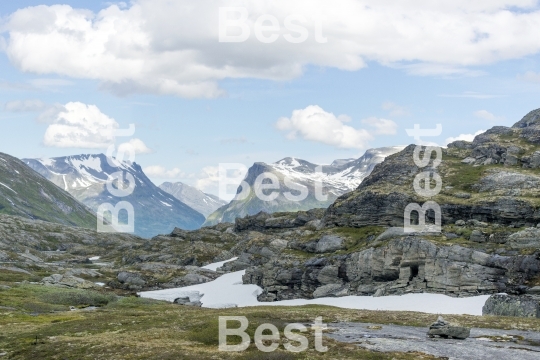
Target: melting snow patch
{"x": 227, "y": 291}
{"x": 4, "y": 185}
{"x": 164, "y": 203}
{"x": 94, "y": 258}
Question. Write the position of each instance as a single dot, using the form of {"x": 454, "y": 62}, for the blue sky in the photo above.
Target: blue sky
{"x": 225, "y": 102}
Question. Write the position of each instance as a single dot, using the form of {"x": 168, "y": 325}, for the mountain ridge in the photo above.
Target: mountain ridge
{"x": 85, "y": 177}
{"x": 337, "y": 178}
{"x": 23, "y": 192}
{"x": 193, "y": 197}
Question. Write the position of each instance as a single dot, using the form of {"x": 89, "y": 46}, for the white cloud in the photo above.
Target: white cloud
{"x": 25, "y": 106}
{"x": 530, "y": 76}
{"x": 394, "y": 109}
{"x": 465, "y": 137}
{"x": 161, "y": 172}
{"x": 381, "y": 126}
{"x": 486, "y": 115}
{"x": 208, "y": 180}
{"x": 80, "y": 126}
{"x": 135, "y": 144}
{"x": 171, "y": 47}
{"x": 315, "y": 124}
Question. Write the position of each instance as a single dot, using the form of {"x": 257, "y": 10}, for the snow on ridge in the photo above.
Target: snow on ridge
{"x": 47, "y": 161}
{"x": 4, "y": 185}
{"x": 91, "y": 162}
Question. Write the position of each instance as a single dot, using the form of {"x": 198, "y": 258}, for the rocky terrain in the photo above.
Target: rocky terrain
{"x": 336, "y": 179}
{"x": 25, "y": 193}
{"x": 483, "y": 343}
{"x": 489, "y": 245}
{"x": 493, "y": 179}
{"x": 85, "y": 177}
{"x": 75, "y": 257}
{"x": 489, "y": 241}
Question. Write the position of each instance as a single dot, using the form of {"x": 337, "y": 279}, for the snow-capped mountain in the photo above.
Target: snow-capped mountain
{"x": 27, "y": 194}
{"x": 85, "y": 177}
{"x": 194, "y": 198}
{"x": 341, "y": 176}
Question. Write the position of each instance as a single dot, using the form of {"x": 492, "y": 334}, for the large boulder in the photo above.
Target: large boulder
{"x": 133, "y": 280}
{"x": 68, "y": 281}
{"x": 477, "y": 236}
{"x": 511, "y": 305}
{"x": 528, "y": 238}
{"x": 329, "y": 243}
{"x": 331, "y": 290}
{"x": 444, "y": 329}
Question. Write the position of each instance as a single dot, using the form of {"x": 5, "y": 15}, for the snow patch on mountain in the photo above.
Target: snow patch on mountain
{"x": 86, "y": 177}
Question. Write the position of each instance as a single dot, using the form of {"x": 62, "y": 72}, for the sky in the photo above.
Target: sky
{"x": 311, "y": 79}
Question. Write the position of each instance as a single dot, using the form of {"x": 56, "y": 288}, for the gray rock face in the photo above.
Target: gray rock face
{"x": 508, "y": 305}
{"x": 331, "y": 290}
{"x": 402, "y": 266}
{"x": 445, "y": 329}
{"x": 528, "y": 238}
{"x": 68, "y": 281}
{"x": 279, "y": 244}
{"x": 263, "y": 221}
{"x": 507, "y": 344}
{"x": 375, "y": 203}
{"x": 193, "y": 279}
{"x": 133, "y": 280}
{"x": 477, "y": 236}
{"x": 187, "y": 302}
{"x": 385, "y": 338}
{"x": 329, "y": 243}
{"x": 391, "y": 233}
{"x": 535, "y": 290}
{"x": 500, "y": 181}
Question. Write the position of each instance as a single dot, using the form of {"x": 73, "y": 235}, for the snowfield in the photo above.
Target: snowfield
{"x": 228, "y": 291}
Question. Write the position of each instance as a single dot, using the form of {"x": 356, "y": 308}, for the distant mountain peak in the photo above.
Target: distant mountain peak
{"x": 85, "y": 176}
{"x": 198, "y": 200}
{"x": 339, "y": 177}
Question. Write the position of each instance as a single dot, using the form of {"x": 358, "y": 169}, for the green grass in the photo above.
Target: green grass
{"x": 357, "y": 239}
{"x": 137, "y": 328}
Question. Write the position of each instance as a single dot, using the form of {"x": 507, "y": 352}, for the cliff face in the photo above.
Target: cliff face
{"x": 494, "y": 179}
{"x": 405, "y": 265}
{"x": 489, "y": 241}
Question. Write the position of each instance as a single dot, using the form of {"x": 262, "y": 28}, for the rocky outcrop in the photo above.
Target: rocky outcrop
{"x": 187, "y": 302}
{"x": 488, "y": 180}
{"x": 264, "y": 221}
{"x": 525, "y": 239}
{"x": 68, "y": 281}
{"x": 509, "y": 305}
{"x": 444, "y": 329}
{"x": 403, "y": 265}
